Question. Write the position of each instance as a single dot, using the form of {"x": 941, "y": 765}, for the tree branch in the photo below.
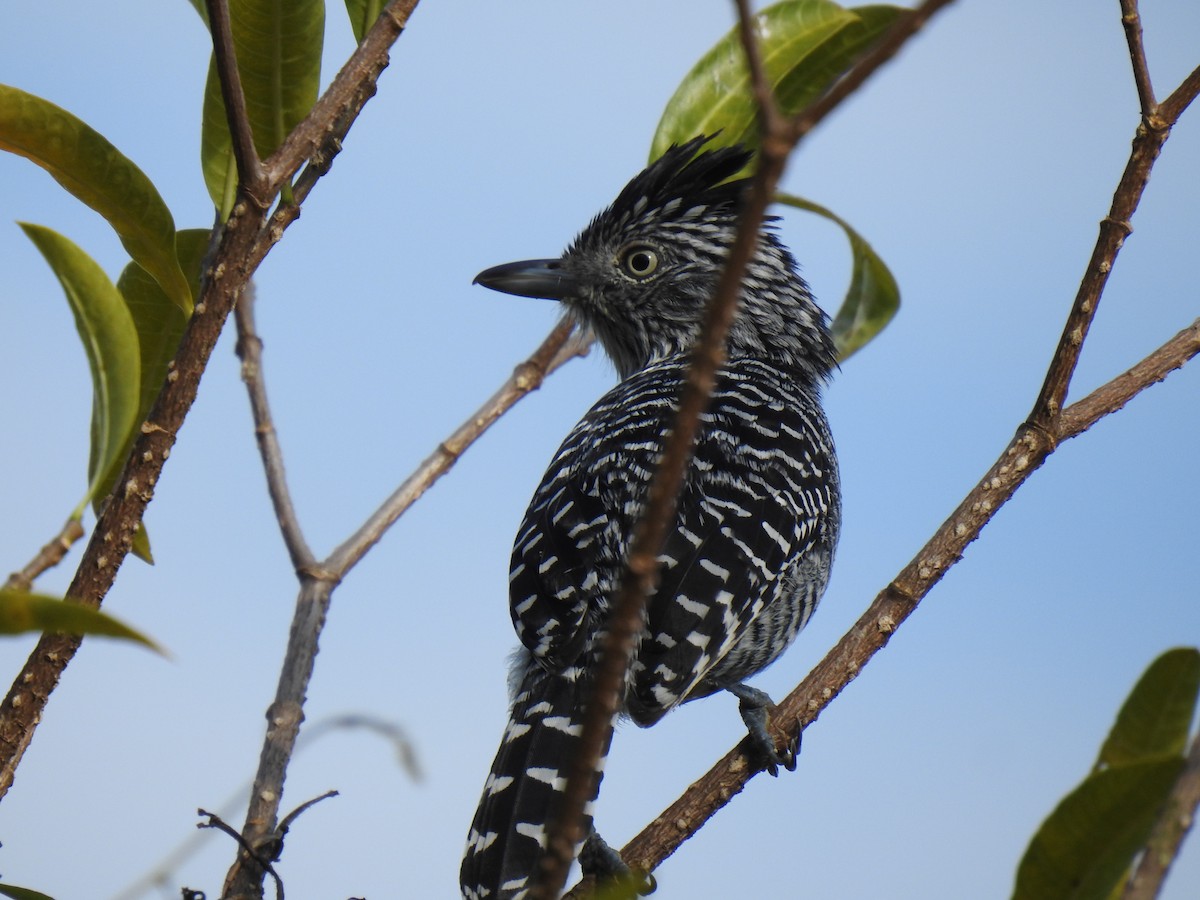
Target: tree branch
{"x": 1132, "y": 21}
{"x": 901, "y": 31}
{"x": 47, "y": 558}
{"x": 1114, "y": 228}
{"x": 559, "y": 347}
{"x": 249, "y": 166}
{"x": 1168, "y": 833}
{"x": 249, "y": 351}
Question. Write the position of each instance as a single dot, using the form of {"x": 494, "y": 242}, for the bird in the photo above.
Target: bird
{"x": 748, "y": 555}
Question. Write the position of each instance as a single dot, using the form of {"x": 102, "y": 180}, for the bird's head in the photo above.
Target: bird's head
{"x": 642, "y": 273}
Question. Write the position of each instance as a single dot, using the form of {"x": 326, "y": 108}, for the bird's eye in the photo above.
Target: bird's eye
{"x": 639, "y": 261}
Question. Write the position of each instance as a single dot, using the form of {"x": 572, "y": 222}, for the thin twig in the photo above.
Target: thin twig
{"x": 1132, "y": 21}
{"x": 1114, "y": 228}
{"x": 160, "y": 876}
{"x": 249, "y": 351}
{"x": 1110, "y": 397}
{"x": 353, "y": 85}
{"x": 1180, "y": 99}
{"x": 47, "y": 558}
{"x": 264, "y": 863}
{"x": 249, "y": 166}
{"x": 560, "y": 346}
{"x": 1173, "y": 825}
{"x": 901, "y": 31}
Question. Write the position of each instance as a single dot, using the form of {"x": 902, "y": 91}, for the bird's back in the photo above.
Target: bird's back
{"x": 748, "y": 555}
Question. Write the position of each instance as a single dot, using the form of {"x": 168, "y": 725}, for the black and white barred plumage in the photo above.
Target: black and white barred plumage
{"x": 757, "y": 522}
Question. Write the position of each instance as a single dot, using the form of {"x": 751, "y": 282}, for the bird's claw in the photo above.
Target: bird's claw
{"x": 598, "y": 859}
{"x": 754, "y": 706}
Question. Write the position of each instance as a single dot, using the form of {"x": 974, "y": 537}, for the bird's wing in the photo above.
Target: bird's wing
{"x": 757, "y": 500}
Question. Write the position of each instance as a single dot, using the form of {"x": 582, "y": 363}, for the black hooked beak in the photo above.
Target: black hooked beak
{"x": 530, "y": 278}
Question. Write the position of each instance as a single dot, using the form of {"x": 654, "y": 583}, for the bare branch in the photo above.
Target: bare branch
{"x": 1109, "y": 398}
{"x": 1168, "y": 833}
{"x": 559, "y": 347}
{"x": 249, "y": 166}
{"x": 47, "y": 558}
{"x": 1181, "y": 98}
{"x": 880, "y": 52}
{"x": 335, "y": 111}
{"x": 1114, "y": 228}
{"x": 1132, "y": 20}
{"x": 249, "y": 351}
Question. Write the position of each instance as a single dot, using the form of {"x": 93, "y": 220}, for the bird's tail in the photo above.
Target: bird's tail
{"x": 524, "y": 788}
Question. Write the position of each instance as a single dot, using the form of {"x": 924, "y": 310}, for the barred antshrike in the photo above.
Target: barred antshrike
{"x": 749, "y": 553}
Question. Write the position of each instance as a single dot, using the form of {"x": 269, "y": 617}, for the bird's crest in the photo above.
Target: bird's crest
{"x": 684, "y": 179}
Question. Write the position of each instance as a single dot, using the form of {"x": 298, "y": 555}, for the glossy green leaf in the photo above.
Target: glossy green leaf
{"x": 806, "y": 45}
{"x": 873, "y": 296}
{"x": 22, "y": 612}
{"x": 87, "y": 165}
{"x": 1085, "y": 847}
{"x": 201, "y": 10}
{"x": 110, "y": 340}
{"x": 363, "y": 14}
{"x": 278, "y": 48}
{"x": 20, "y": 893}
{"x": 1156, "y": 718}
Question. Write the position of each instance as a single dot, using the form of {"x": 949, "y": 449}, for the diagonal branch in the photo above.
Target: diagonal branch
{"x": 1114, "y": 228}
{"x": 249, "y": 166}
{"x": 1168, "y": 833}
{"x": 249, "y": 351}
{"x": 1131, "y": 19}
{"x": 47, "y": 558}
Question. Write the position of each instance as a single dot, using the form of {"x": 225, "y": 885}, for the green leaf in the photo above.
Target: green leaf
{"x": 21, "y": 612}
{"x": 110, "y": 340}
{"x": 20, "y": 893}
{"x": 363, "y": 14}
{"x": 87, "y": 165}
{"x": 806, "y": 45}
{"x": 1155, "y": 720}
{"x": 278, "y": 48}
{"x": 201, "y": 10}
{"x": 873, "y": 296}
{"x": 1083, "y": 850}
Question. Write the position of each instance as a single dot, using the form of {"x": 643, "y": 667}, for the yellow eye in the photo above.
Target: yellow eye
{"x": 639, "y": 261}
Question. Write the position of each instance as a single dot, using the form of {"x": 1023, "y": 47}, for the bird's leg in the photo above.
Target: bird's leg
{"x": 754, "y": 705}
{"x": 605, "y": 864}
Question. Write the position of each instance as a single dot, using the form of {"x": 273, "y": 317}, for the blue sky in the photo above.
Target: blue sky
{"x": 978, "y": 164}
